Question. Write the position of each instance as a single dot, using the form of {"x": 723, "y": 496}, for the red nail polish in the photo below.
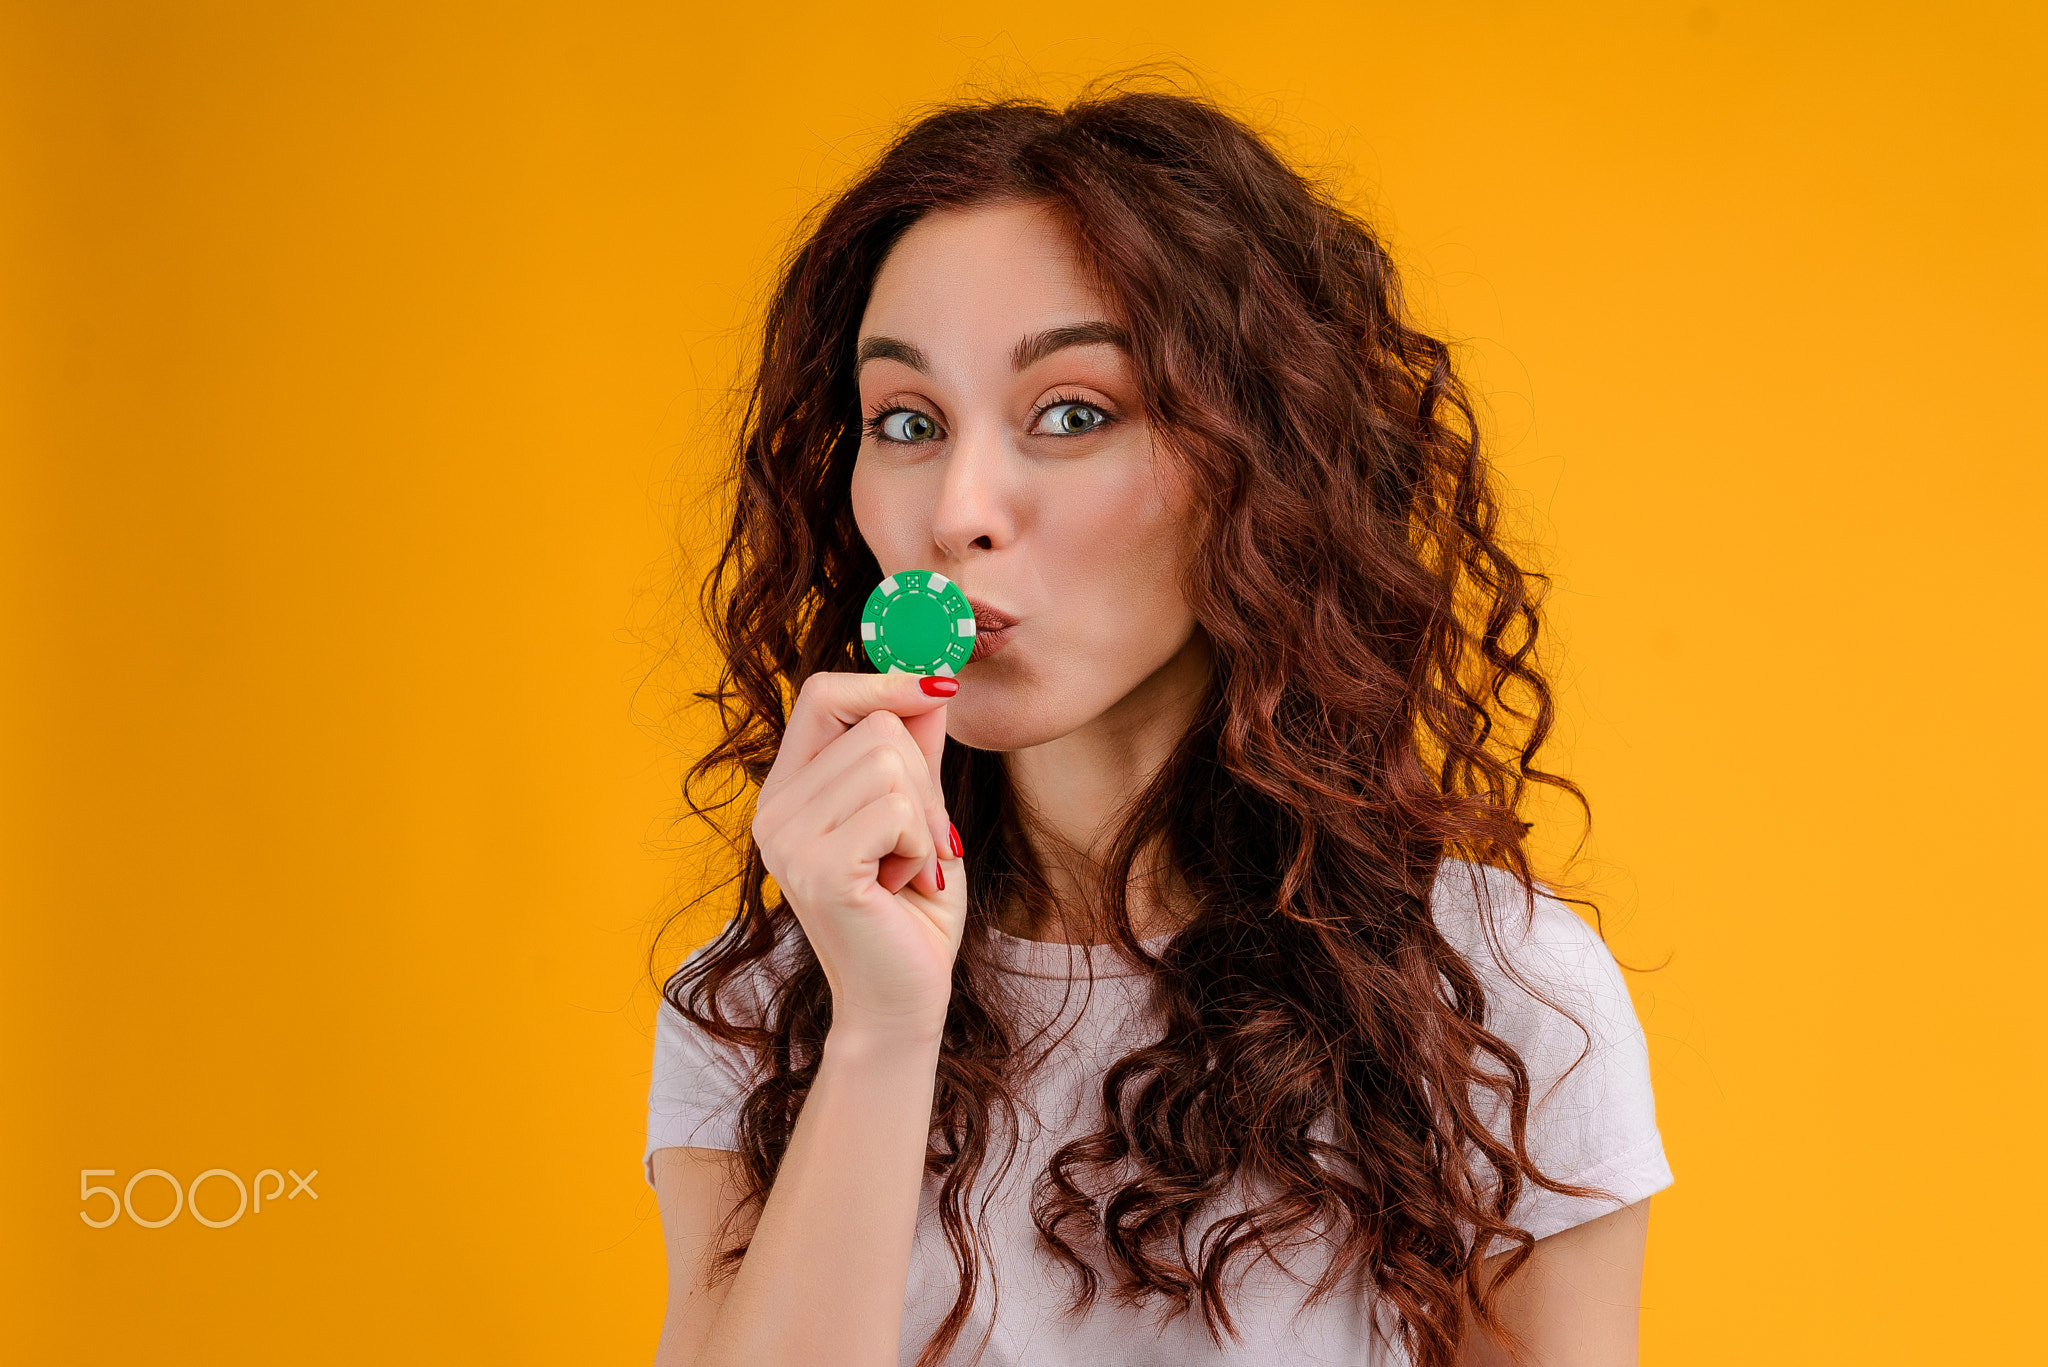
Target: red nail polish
{"x": 938, "y": 686}
{"x": 941, "y": 875}
{"x": 959, "y": 850}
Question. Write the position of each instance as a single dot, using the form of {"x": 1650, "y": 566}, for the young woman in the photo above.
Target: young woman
{"x": 1172, "y": 986}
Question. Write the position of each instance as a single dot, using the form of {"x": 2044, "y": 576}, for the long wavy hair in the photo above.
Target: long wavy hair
{"x": 1376, "y": 707}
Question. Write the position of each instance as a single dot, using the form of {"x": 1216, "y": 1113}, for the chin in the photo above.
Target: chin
{"x": 992, "y": 715}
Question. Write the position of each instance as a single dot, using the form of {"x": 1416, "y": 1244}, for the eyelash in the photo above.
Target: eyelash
{"x": 1056, "y": 399}
{"x": 873, "y": 425}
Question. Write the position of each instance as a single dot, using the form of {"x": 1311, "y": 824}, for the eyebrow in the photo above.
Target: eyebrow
{"x": 889, "y": 349}
{"x": 1036, "y": 348}
{"x": 1026, "y": 353}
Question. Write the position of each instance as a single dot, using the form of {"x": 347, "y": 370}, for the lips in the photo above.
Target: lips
{"x": 991, "y": 630}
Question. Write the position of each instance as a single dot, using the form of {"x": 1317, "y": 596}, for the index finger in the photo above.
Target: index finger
{"x": 829, "y": 704}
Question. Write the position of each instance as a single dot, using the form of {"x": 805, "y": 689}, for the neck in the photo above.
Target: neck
{"x": 1074, "y": 791}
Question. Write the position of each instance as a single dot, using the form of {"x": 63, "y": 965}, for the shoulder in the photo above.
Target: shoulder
{"x": 745, "y": 999}
{"x": 748, "y": 995}
{"x": 1532, "y": 953}
{"x": 699, "y": 1080}
{"x": 1555, "y": 995}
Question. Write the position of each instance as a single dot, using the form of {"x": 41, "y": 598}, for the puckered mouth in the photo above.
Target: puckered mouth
{"x": 991, "y": 630}
{"x": 987, "y": 618}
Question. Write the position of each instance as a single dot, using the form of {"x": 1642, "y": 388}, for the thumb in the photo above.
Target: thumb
{"x": 928, "y": 729}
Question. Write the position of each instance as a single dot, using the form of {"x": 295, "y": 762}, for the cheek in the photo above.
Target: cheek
{"x": 860, "y": 496}
{"x": 876, "y": 514}
{"x": 1123, "y": 553}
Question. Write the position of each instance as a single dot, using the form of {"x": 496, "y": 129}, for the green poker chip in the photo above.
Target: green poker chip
{"x": 917, "y": 622}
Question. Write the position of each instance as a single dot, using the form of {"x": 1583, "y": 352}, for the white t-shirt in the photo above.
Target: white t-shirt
{"x": 1593, "y": 1124}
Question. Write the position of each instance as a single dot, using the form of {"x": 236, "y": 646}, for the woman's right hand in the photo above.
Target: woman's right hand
{"x": 853, "y": 828}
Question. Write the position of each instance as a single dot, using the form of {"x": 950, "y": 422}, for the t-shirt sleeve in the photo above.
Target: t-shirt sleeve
{"x": 699, "y": 1082}
{"x": 1592, "y": 1115}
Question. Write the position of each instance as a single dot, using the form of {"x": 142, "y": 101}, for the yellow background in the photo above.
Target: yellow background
{"x": 358, "y": 358}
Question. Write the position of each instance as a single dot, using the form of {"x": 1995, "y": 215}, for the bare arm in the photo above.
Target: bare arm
{"x": 697, "y": 1189}
{"x": 1576, "y": 1302}
{"x": 849, "y": 825}
{"x": 824, "y": 1277}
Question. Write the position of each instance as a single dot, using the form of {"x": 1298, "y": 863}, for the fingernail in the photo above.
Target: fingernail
{"x": 938, "y": 686}
{"x": 941, "y": 873}
{"x": 959, "y": 850}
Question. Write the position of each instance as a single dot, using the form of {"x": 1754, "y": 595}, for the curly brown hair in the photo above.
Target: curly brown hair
{"x": 1376, "y": 707}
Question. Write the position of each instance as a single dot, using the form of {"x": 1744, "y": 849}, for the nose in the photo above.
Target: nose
{"x": 976, "y": 507}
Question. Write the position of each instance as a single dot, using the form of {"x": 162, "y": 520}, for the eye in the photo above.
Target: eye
{"x": 904, "y": 425}
{"x": 1068, "y": 418}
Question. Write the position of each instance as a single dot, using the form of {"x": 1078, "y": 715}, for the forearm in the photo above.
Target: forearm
{"x": 824, "y": 1277}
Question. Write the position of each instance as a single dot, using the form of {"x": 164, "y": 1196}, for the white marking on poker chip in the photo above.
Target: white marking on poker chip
{"x": 937, "y": 583}
{"x": 867, "y": 631}
{"x": 898, "y": 669}
{"x": 944, "y": 668}
{"x": 889, "y": 586}
{"x": 966, "y": 626}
